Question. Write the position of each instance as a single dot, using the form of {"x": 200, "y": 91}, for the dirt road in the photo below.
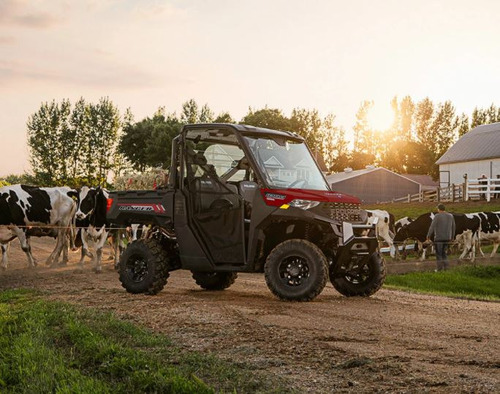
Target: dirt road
{"x": 390, "y": 342}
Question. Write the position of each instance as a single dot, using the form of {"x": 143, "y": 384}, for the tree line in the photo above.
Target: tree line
{"x": 86, "y": 142}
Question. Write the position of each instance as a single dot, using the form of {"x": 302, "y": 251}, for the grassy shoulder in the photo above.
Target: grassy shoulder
{"x": 50, "y": 346}
{"x": 469, "y": 282}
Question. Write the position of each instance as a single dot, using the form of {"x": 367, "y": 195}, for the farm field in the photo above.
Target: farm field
{"x": 393, "y": 341}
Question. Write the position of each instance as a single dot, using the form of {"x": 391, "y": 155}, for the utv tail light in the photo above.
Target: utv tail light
{"x": 109, "y": 204}
{"x": 304, "y": 204}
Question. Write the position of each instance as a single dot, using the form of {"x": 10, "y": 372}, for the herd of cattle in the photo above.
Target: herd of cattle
{"x": 77, "y": 218}
{"x": 472, "y": 229}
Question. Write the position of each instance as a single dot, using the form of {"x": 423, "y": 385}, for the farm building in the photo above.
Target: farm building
{"x": 373, "y": 184}
{"x": 474, "y": 154}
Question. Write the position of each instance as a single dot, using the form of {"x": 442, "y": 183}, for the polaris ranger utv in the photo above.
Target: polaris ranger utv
{"x": 247, "y": 199}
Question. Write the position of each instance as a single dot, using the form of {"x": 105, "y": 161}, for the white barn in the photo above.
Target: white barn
{"x": 476, "y": 153}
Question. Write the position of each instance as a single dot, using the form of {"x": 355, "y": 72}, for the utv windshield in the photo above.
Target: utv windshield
{"x": 286, "y": 163}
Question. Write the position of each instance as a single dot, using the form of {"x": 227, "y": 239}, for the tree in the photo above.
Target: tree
{"x": 334, "y": 145}
{"x": 423, "y": 119}
{"x": 76, "y": 146}
{"x": 307, "y": 124}
{"x": 148, "y": 143}
{"x": 463, "y": 125}
{"x": 206, "y": 115}
{"x": 47, "y": 134}
{"x": 270, "y": 118}
{"x": 224, "y": 117}
{"x": 189, "y": 114}
{"x": 365, "y": 144}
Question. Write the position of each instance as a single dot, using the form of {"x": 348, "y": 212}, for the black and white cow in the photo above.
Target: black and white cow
{"x": 490, "y": 229}
{"x": 27, "y": 210}
{"x": 92, "y": 224}
{"x": 384, "y": 226}
{"x": 467, "y": 228}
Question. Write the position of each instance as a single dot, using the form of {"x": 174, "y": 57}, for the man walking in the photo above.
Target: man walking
{"x": 443, "y": 228}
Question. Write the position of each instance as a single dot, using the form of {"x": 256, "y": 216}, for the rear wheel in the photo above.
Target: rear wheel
{"x": 296, "y": 270}
{"x": 363, "y": 279}
{"x": 214, "y": 280}
{"x": 143, "y": 267}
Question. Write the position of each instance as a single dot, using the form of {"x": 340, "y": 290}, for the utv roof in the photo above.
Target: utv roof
{"x": 245, "y": 129}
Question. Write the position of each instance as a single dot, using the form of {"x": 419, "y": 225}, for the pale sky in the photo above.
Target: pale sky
{"x": 231, "y": 54}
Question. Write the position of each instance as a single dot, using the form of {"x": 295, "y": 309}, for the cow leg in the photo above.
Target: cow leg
{"x": 99, "y": 246}
{"x": 25, "y": 245}
{"x": 54, "y": 256}
{"x": 495, "y": 248}
{"x": 65, "y": 250}
{"x": 5, "y": 251}
{"x": 85, "y": 247}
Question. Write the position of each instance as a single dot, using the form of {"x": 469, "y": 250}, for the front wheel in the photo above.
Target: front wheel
{"x": 361, "y": 279}
{"x": 214, "y": 280}
{"x": 143, "y": 267}
{"x": 296, "y": 270}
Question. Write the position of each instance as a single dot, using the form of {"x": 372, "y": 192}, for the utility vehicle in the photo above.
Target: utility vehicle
{"x": 247, "y": 199}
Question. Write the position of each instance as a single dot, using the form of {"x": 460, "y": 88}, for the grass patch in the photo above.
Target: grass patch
{"x": 470, "y": 282}
{"x": 50, "y": 346}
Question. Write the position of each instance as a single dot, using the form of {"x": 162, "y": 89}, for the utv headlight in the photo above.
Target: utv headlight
{"x": 304, "y": 204}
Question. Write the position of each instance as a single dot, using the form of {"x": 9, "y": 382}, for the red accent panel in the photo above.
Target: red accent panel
{"x": 109, "y": 203}
{"x": 278, "y": 197}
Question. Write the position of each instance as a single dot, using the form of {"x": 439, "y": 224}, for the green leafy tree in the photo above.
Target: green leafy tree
{"x": 423, "y": 118}
{"x": 47, "y": 134}
{"x": 73, "y": 146}
{"x": 463, "y": 125}
{"x": 190, "y": 113}
{"x": 224, "y": 117}
{"x": 206, "y": 115}
{"x": 148, "y": 143}
{"x": 270, "y": 118}
{"x": 307, "y": 124}
{"x": 335, "y": 148}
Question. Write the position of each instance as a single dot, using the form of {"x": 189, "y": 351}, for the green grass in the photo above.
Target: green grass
{"x": 50, "y": 346}
{"x": 470, "y": 282}
{"x": 416, "y": 209}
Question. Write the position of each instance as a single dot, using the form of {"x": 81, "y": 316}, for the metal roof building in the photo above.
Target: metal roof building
{"x": 373, "y": 184}
{"x": 475, "y": 153}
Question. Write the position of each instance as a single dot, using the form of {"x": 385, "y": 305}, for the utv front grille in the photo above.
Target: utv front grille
{"x": 342, "y": 211}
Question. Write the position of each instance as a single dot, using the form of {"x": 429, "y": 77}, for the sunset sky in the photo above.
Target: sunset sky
{"x": 232, "y": 54}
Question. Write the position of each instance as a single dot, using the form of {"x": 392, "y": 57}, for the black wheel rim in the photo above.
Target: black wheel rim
{"x": 137, "y": 268}
{"x": 358, "y": 274}
{"x": 294, "y": 270}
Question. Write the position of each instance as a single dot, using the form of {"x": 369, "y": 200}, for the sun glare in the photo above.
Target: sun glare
{"x": 380, "y": 117}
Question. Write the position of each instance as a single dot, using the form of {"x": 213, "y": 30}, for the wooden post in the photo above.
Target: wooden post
{"x": 439, "y": 195}
{"x": 466, "y": 188}
{"x": 488, "y": 188}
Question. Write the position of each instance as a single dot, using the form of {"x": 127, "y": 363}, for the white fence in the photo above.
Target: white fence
{"x": 472, "y": 189}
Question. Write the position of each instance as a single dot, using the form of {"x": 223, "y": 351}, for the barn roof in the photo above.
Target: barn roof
{"x": 481, "y": 143}
{"x": 342, "y": 176}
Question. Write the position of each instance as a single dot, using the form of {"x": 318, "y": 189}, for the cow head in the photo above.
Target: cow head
{"x": 90, "y": 201}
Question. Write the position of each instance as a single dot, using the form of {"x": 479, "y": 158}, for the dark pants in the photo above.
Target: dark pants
{"x": 441, "y": 256}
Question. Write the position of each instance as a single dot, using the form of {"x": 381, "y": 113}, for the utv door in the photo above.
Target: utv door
{"x": 215, "y": 208}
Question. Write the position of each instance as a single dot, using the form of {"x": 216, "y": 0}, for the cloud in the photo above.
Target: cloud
{"x": 7, "y": 40}
{"x": 104, "y": 75}
{"x": 18, "y": 13}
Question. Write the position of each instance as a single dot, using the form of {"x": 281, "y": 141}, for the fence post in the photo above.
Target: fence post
{"x": 488, "y": 189}
{"x": 439, "y": 195}
{"x": 452, "y": 192}
{"x": 466, "y": 188}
